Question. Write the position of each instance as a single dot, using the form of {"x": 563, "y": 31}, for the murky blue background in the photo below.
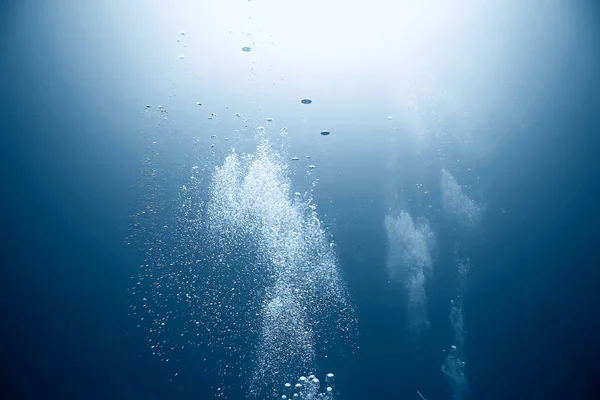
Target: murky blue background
{"x": 520, "y": 80}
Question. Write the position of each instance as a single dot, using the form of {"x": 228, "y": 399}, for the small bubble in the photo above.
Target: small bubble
{"x": 246, "y": 49}
{"x": 306, "y": 101}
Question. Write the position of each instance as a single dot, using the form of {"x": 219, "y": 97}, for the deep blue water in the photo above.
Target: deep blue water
{"x": 73, "y": 92}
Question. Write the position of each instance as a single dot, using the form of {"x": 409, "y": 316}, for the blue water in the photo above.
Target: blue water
{"x": 513, "y": 114}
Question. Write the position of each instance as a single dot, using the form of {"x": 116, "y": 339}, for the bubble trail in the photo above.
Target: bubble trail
{"x": 454, "y": 365}
{"x": 238, "y": 261}
{"x": 304, "y": 299}
{"x": 457, "y": 205}
{"x": 409, "y": 261}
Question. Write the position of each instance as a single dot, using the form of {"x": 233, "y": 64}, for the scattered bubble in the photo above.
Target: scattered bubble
{"x": 246, "y": 49}
{"x": 198, "y": 103}
{"x": 237, "y": 114}
{"x": 312, "y": 166}
{"x": 306, "y": 101}
{"x": 181, "y": 57}
{"x": 182, "y": 33}
{"x": 325, "y": 133}
{"x": 148, "y": 106}
{"x": 269, "y": 119}
{"x": 295, "y": 158}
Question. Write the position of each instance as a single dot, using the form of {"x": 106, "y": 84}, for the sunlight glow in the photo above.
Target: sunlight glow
{"x": 325, "y": 37}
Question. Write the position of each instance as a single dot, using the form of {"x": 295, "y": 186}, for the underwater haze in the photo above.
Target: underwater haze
{"x": 284, "y": 199}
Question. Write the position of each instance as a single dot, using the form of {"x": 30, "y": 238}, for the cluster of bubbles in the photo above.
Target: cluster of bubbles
{"x": 409, "y": 260}
{"x": 466, "y": 212}
{"x": 309, "y": 388}
{"x": 411, "y": 243}
{"x": 459, "y": 208}
{"x": 454, "y": 364}
{"x": 237, "y": 260}
{"x": 457, "y": 205}
{"x": 454, "y": 369}
{"x": 303, "y": 301}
